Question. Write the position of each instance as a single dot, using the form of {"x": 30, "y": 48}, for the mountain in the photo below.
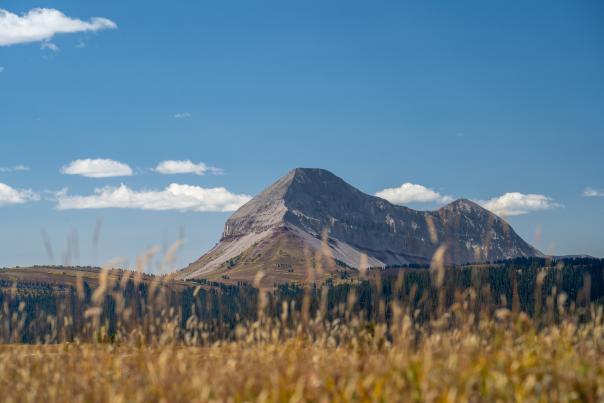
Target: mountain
{"x": 309, "y": 213}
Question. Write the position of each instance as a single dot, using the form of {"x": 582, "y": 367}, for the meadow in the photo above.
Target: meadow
{"x": 436, "y": 334}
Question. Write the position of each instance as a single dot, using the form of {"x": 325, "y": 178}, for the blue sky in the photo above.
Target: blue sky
{"x": 465, "y": 99}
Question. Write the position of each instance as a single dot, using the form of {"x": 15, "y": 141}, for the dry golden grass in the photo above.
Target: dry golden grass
{"x": 500, "y": 359}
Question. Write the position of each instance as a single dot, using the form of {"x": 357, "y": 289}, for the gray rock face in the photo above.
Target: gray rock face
{"x": 307, "y": 202}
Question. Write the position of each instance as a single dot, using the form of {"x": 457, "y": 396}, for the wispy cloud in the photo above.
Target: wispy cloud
{"x": 9, "y": 195}
{"x": 1, "y": 69}
{"x": 16, "y": 168}
{"x": 181, "y": 115}
{"x": 412, "y": 193}
{"x": 514, "y": 203}
{"x": 174, "y": 197}
{"x": 591, "y": 192}
{"x": 49, "y": 46}
{"x": 186, "y": 167}
{"x": 41, "y": 24}
{"x": 97, "y": 168}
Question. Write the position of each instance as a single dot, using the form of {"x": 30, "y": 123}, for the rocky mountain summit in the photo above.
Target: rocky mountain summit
{"x": 311, "y": 211}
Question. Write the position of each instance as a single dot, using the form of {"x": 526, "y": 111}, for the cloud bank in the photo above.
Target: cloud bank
{"x": 591, "y": 192}
{"x": 186, "y": 167}
{"x": 97, "y": 168}
{"x": 514, "y": 203}
{"x": 41, "y": 24}
{"x": 412, "y": 193}
{"x": 9, "y": 195}
{"x": 173, "y": 197}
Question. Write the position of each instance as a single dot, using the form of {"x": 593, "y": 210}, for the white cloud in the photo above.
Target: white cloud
{"x": 173, "y": 197}
{"x": 412, "y": 193}
{"x": 9, "y": 195}
{"x": 591, "y": 192}
{"x": 186, "y": 167}
{"x": 50, "y": 46}
{"x": 41, "y": 24}
{"x": 1, "y": 69}
{"x": 97, "y": 168}
{"x": 16, "y": 168}
{"x": 181, "y": 115}
{"x": 514, "y": 203}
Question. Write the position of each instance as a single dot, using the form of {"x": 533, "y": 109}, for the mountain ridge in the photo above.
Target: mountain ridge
{"x": 311, "y": 208}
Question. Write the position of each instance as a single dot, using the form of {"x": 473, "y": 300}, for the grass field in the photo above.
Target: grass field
{"x": 503, "y": 360}
{"x": 116, "y": 341}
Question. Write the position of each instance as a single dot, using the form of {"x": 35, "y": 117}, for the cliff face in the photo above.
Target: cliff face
{"x": 307, "y": 202}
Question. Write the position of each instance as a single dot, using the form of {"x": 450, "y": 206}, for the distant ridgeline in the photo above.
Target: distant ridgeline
{"x": 108, "y": 308}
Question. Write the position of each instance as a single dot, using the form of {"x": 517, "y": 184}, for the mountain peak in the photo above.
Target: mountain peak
{"x": 463, "y": 204}
{"x": 289, "y": 219}
{"x": 314, "y": 176}
{"x": 301, "y": 171}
